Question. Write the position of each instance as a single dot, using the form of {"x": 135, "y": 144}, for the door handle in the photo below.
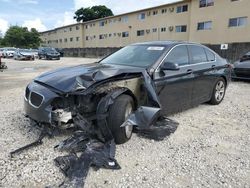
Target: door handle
{"x": 213, "y": 67}
{"x": 189, "y": 71}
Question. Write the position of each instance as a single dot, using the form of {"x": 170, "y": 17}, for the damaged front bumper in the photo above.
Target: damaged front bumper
{"x": 37, "y": 105}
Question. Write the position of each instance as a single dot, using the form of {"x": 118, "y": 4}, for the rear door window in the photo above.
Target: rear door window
{"x": 210, "y": 55}
{"x": 178, "y": 55}
{"x": 198, "y": 54}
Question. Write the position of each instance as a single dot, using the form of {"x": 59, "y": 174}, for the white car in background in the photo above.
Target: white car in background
{"x": 8, "y": 52}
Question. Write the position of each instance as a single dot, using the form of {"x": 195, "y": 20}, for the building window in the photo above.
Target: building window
{"x": 70, "y": 29}
{"x": 101, "y": 23}
{"x": 140, "y": 32}
{"x": 180, "y": 28}
{"x": 71, "y": 39}
{"x": 155, "y": 12}
{"x": 77, "y": 27}
{"x": 101, "y": 36}
{"x": 87, "y": 38}
{"x": 204, "y": 25}
{"x": 125, "y": 34}
{"x": 77, "y": 38}
{"x": 163, "y": 11}
{"x": 206, "y": 3}
{"x": 60, "y": 40}
{"x": 183, "y": 8}
{"x": 163, "y": 29}
{"x": 65, "y": 30}
{"x": 65, "y": 40}
{"x": 86, "y": 26}
{"x": 125, "y": 19}
{"x": 237, "y": 22}
{"x": 154, "y": 30}
{"x": 141, "y": 16}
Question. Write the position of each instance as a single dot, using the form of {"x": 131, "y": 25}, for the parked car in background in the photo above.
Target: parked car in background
{"x": 8, "y": 52}
{"x": 35, "y": 53}
{"x": 241, "y": 68}
{"x": 60, "y": 50}
{"x": 176, "y": 75}
{"x": 23, "y": 54}
{"x": 48, "y": 53}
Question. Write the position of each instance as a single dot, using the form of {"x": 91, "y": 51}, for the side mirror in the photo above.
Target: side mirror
{"x": 170, "y": 66}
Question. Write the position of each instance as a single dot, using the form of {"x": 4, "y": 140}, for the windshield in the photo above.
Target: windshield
{"x": 24, "y": 50}
{"x": 135, "y": 55}
{"x": 49, "y": 50}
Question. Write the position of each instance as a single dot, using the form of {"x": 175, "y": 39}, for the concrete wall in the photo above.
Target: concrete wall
{"x": 235, "y": 50}
{"x": 89, "y": 52}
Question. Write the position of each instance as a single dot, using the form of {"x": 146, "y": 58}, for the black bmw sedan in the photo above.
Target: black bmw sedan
{"x": 165, "y": 76}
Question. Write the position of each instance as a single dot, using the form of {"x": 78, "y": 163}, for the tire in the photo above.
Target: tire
{"x": 219, "y": 91}
{"x": 118, "y": 112}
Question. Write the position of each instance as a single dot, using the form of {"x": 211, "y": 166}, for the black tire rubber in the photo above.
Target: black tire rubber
{"x": 213, "y": 100}
{"x": 117, "y": 117}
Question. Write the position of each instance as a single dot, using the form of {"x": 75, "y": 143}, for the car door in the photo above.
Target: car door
{"x": 174, "y": 87}
{"x": 203, "y": 66}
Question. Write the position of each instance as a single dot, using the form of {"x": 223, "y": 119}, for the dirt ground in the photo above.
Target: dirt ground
{"x": 211, "y": 147}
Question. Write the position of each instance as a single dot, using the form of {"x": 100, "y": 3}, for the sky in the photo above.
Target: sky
{"x": 49, "y": 14}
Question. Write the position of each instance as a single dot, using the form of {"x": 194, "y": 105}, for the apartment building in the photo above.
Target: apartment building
{"x": 203, "y": 21}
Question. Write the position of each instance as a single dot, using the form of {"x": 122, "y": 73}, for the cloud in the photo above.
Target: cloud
{"x": 36, "y": 23}
{"x": 66, "y": 20}
{"x": 119, "y": 7}
{"x": 28, "y": 2}
{"x": 20, "y": 1}
{"x": 4, "y": 25}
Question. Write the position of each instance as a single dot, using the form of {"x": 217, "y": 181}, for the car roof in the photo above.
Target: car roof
{"x": 165, "y": 43}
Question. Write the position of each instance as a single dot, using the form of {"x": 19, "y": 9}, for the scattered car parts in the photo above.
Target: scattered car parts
{"x": 2, "y": 65}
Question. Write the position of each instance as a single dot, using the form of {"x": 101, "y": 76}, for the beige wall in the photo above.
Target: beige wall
{"x": 168, "y": 19}
{"x": 219, "y": 14}
{"x": 56, "y": 38}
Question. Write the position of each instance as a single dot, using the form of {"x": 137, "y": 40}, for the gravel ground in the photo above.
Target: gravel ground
{"x": 211, "y": 147}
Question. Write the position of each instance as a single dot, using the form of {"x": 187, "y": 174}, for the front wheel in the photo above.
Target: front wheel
{"x": 119, "y": 111}
{"x": 218, "y": 92}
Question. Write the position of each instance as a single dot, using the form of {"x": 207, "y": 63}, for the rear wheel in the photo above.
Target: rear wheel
{"x": 119, "y": 111}
{"x": 218, "y": 92}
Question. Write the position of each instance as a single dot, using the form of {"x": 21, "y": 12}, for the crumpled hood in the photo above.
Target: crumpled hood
{"x": 70, "y": 79}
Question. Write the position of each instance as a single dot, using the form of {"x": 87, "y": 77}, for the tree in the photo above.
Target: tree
{"x": 21, "y": 37}
{"x": 92, "y": 13}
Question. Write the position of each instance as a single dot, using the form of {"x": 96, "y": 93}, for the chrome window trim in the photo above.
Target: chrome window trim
{"x": 158, "y": 67}
{"x": 37, "y": 94}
